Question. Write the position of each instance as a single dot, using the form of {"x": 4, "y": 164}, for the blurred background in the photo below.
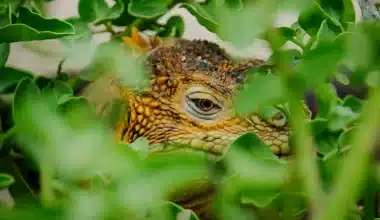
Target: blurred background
{"x": 39, "y": 58}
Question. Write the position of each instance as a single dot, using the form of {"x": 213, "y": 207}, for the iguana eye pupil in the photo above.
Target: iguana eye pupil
{"x": 205, "y": 104}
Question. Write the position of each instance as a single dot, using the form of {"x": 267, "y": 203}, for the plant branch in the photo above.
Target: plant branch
{"x": 305, "y": 156}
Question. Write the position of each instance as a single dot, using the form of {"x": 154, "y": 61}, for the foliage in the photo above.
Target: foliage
{"x": 59, "y": 159}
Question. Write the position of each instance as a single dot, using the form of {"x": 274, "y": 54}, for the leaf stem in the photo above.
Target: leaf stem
{"x": 353, "y": 173}
{"x": 305, "y": 156}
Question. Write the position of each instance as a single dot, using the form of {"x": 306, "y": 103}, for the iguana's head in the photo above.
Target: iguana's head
{"x": 190, "y": 102}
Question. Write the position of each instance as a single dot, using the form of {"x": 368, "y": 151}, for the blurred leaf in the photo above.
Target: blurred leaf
{"x": 203, "y": 16}
{"x": 141, "y": 145}
{"x": 31, "y": 26}
{"x": 326, "y": 99}
{"x": 98, "y": 11}
{"x": 260, "y": 91}
{"x": 342, "y": 78}
{"x": 277, "y": 37}
{"x": 312, "y": 17}
{"x": 326, "y": 142}
{"x": 179, "y": 213}
{"x": 5, "y": 14}
{"x": 258, "y": 198}
{"x": 255, "y": 175}
{"x": 341, "y": 117}
{"x": 345, "y": 137}
{"x": 62, "y": 88}
{"x": 253, "y": 146}
{"x": 26, "y": 90}
{"x": 354, "y": 103}
{"x": 129, "y": 69}
{"x": 82, "y": 31}
{"x": 175, "y": 27}
{"x": 14, "y": 4}
{"x": 114, "y": 111}
{"x": 268, "y": 112}
{"x": 5, "y": 180}
{"x": 310, "y": 70}
{"x": 285, "y": 59}
{"x": 325, "y": 33}
{"x": 241, "y": 27}
{"x": 358, "y": 49}
{"x": 318, "y": 125}
{"x": 63, "y": 76}
{"x": 148, "y": 8}
{"x": 4, "y": 53}
{"x": 340, "y": 11}
{"x": 125, "y": 18}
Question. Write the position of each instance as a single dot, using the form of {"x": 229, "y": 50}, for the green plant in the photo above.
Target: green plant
{"x": 58, "y": 159}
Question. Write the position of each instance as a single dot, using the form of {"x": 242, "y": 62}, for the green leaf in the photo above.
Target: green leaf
{"x": 4, "y": 53}
{"x": 14, "y": 4}
{"x": 5, "y": 15}
{"x": 260, "y": 91}
{"x": 82, "y": 31}
{"x": 177, "y": 212}
{"x": 255, "y": 172}
{"x": 148, "y": 9}
{"x": 254, "y": 149}
{"x": 110, "y": 57}
{"x": 202, "y": 15}
{"x": 326, "y": 142}
{"x": 175, "y": 27}
{"x": 310, "y": 70}
{"x": 234, "y": 4}
{"x": 358, "y": 49}
{"x": 311, "y": 19}
{"x": 354, "y": 103}
{"x": 268, "y": 112}
{"x": 98, "y": 11}
{"x": 277, "y": 37}
{"x": 345, "y": 138}
{"x": 141, "y": 145}
{"x": 9, "y": 77}
{"x": 241, "y": 27}
{"x": 325, "y": 33}
{"x": 62, "y": 88}
{"x": 341, "y": 117}
{"x": 30, "y": 26}
{"x": 125, "y": 18}
{"x": 326, "y": 99}
{"x": 5, "y": 180}
{"x": 318, "y": 125}
{"x": 113, "y": 111}
{"x": 339, "y": 10}
{"x": 259, "y": 198}
{"x": 26, "y": 94}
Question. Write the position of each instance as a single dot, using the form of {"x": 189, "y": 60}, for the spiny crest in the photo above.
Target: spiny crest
{"x": 173, "y": 58}
{"x": 139, "y": 43}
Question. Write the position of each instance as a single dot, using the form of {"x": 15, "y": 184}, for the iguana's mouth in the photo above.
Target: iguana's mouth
{"x": 170, "y": 147}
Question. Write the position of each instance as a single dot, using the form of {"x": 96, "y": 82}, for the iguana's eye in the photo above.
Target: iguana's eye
{"x": 202, "y": 105}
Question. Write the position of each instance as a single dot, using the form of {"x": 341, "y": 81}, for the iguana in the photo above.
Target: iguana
{"x": 189, "y": 102}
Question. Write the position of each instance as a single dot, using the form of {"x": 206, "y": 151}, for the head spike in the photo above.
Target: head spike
{"x": 140, "y": 43}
